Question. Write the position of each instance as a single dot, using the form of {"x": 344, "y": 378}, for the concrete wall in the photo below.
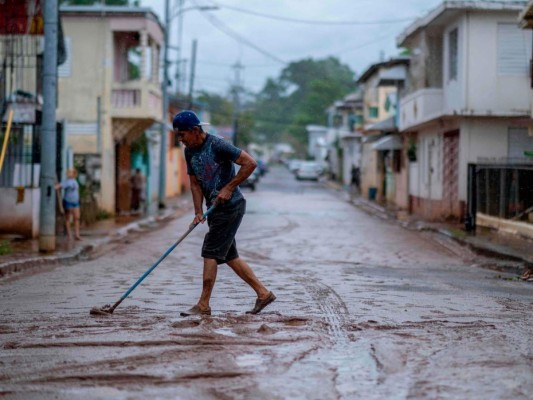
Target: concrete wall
{"x": 369, "y": 169}
{"x": 454, "y": 89}
{"x": 480, "y": 138}
{"x": 478, "y": 64}
{"x": 351, "y": 156}
{"x": 20, "y": 218}
{"x": 90, "y": 78}
{"x": 402, "y": 183}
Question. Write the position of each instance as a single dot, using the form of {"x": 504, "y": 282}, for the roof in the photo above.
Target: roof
{"x": 526, "y": 16}
{"x": 386, "y": 125}
{"x": 454, "y": 6}
{"x": 390, "y": 142}
{"x": 99, "y": 10}
{"x": 383, "y": 64}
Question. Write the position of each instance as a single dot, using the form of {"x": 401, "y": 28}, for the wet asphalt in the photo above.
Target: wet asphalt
{"x": 364, "y": 309}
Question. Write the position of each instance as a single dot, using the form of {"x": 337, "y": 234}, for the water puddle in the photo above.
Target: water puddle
{"x": 249, "y": 360}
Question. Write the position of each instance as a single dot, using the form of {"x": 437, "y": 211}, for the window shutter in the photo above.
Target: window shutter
{"x": 64, "y": 70}
{"x": 514, "y": 50}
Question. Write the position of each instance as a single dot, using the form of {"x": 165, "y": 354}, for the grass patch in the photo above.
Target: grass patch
{"x": 5, "y": 247}
{"x": 103, "y": 214}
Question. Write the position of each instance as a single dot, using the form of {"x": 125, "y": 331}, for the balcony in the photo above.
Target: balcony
{"x": 136, "y": 100}
{"x": 420, "y": 107}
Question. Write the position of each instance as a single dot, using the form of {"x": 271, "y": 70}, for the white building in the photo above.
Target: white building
{"x": 468, "y": 97}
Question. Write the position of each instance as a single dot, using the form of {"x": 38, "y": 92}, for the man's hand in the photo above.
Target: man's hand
{"x": 198, "y": 219}
{"x": 223, "y": 195}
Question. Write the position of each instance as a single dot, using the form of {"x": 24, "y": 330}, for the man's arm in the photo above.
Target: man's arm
{"x": 197, "y": 198}
{"x": 248, "y": 165}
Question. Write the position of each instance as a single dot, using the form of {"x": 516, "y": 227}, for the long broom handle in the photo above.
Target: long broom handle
{"x": 191, "y": 227}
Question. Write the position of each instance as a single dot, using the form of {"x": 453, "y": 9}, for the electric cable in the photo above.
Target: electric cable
{"x": 313, "y": 22}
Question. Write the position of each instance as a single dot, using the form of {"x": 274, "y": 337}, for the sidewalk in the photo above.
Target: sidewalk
{"x": 23, "y": 254}
{"x": 485, "y": 242}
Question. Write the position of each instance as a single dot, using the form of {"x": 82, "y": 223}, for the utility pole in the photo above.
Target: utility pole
{"x": 47, "y": 212}
{"x": 237, "y": 87}
{"x": 193, "y": 68}
{"x": 179, "y": 73}
{"x": 164, "y": 93}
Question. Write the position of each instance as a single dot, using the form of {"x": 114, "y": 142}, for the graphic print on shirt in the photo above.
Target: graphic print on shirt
{"x": 212, "y": 164}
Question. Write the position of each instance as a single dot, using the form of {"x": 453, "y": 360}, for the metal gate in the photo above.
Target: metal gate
{"x": 451, "y": 172}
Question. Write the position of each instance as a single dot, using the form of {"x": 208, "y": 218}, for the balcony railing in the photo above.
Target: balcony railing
{"x": 136, "y": 99}
{"x": 421, "y": 106}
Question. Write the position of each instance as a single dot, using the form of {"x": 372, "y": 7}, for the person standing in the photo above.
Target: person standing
{"x": 137, "y": 188}
{"x": 210, "y": 166}
{"x": 71, "y": 202}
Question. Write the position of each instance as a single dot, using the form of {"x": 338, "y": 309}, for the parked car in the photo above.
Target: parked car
{"x": 308, "y": 170}
{"x": 294, "y": 164}
{"x": 251, "y": 181}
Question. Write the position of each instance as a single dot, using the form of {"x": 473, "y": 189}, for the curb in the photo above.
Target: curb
{"x": 380, "y": 212}
{"x": 11, "y": 268}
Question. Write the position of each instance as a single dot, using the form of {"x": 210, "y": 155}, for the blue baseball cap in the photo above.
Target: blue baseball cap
{"x": 186, "y": 120}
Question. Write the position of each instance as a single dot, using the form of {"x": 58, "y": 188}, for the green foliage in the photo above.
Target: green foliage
{"x": 221, "y": 109}
{"x": 5, "y": 247}
{"x": 300, "y": 97}
{"x": 283, "y": 108}
{"x": 140, "y": 145}
{"x": 103, "y": 214}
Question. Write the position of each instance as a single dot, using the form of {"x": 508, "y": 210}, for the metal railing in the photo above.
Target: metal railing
{"x": 501, "y": 190}
{"x": 22, "y": 161}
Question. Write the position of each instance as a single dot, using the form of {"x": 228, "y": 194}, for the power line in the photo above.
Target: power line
{"x": 377, "y": 40}
{"x": 230, "y": 65}
{"x": 314, "y": 22}
{"x": 223, "y": 28}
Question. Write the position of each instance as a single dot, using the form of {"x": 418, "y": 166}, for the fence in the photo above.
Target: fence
{"x": 500, "y": 190}
{"x": 22, "y": 162}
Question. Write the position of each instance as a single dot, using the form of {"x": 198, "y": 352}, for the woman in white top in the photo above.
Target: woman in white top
{"x": 71, "y": 202}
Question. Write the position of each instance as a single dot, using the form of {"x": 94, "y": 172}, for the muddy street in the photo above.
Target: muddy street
{"x": 364, "y": 309}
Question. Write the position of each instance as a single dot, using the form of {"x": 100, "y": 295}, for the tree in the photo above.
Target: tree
{"x": 299, "y": 97}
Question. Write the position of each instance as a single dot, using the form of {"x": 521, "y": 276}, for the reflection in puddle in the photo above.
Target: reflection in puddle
{"x": 225, "y": 332}
{"x": 249, "y": 360}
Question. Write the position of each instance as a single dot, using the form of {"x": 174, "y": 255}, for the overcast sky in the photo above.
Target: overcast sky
{"x": 266, "y": 35}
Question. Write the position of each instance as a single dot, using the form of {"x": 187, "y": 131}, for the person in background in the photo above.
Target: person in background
{"x": 137, "y": 188}
{"x": 71, "y": 202}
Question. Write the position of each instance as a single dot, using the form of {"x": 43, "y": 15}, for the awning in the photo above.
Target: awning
{"x": 386, "y": 125}
{"x": 391, "y": 142}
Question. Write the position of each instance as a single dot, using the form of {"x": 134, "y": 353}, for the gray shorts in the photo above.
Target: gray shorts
{"x": 219, "y": 242}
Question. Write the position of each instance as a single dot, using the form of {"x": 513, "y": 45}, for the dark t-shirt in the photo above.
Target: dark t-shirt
{"x": 212, "y": 165}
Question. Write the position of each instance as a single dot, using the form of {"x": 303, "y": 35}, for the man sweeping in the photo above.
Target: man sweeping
{"x": 212, "y": 175}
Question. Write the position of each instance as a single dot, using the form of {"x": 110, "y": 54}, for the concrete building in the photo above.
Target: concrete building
{"x": 110, "y": 94}
{"x": 343, "y": 136}
{"x": 380, "y": 156}
{"x": 21, "y": 55}
{"x": 467, "y": 99}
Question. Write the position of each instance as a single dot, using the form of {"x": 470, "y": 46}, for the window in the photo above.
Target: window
{"x": 373, "y": 112}
{"x": 453, "y": 57}
{"x": 514, "y": 50}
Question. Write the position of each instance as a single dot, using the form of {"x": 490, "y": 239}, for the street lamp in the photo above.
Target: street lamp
{"x": 164, "y": 90}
